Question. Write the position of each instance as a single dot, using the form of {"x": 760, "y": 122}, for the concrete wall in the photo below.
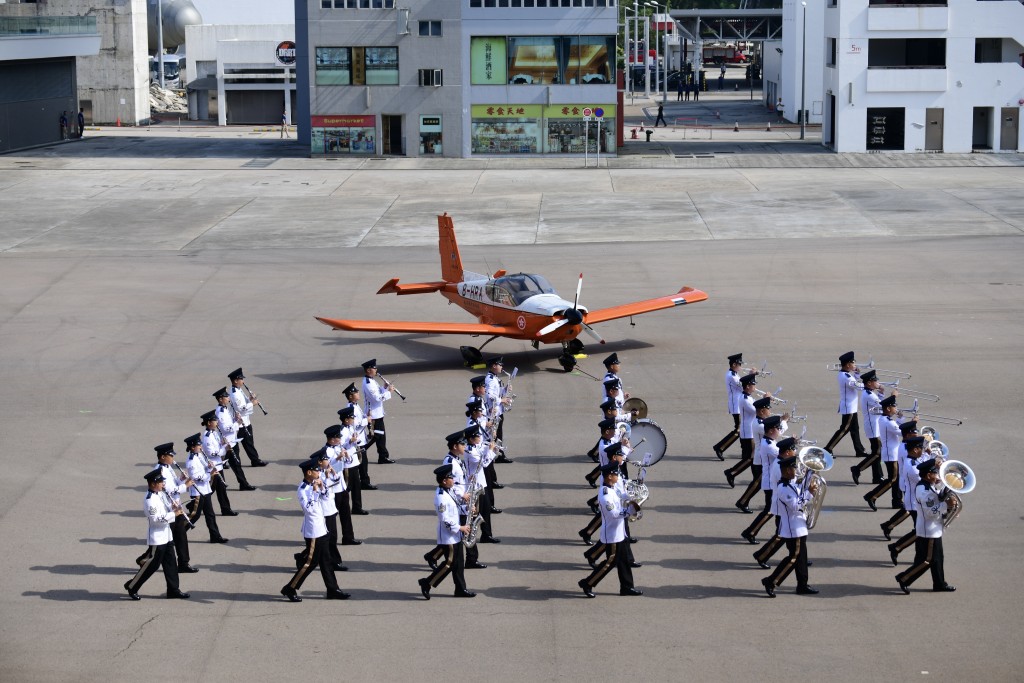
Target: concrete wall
{"x": 792, "y": 58}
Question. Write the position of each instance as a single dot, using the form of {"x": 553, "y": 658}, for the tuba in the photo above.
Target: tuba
{"x": 814, "y": 461}
{"x": 958, "y": 479}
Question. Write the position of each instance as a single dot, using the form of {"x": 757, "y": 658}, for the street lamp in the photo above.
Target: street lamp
{"x": 630, "y": 48}
{"x": 803, "y": 77}
{"x": 662, "y": 52}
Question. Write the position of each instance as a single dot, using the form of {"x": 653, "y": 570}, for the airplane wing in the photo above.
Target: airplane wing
{"x": 686, "y": 295}
{"x": 422, "y": 327}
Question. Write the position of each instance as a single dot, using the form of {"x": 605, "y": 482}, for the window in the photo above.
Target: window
{"x": 430, "y": 77}
{"x": 988, "y": 50}
{"x": 906, "y": 53}
{"x": 430, "y": 28}
{"x": 541, "y": 60}
{"x": 381, "y": 66}
{"x": 357, "y": 66}
{"x": 831, "y": 52}
{"x": 333, "y": 66}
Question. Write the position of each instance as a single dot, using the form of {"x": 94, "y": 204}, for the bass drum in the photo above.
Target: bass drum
{"x": 654, "y": 442}
{"x": 637, "y": 404}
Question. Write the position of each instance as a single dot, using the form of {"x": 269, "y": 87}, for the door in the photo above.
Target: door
{"x": 831, "y": 142}
{"x": 933, "y": 130}
{"x": 1008, "y": 129}
{"x": 981, "y": 136}
{"x": 391, "y": 131}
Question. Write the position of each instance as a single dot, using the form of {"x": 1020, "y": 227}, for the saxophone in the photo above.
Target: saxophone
{"x": 474, "y": 517}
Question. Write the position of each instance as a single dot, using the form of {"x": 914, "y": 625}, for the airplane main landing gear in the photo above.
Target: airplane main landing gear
{"x": 473, "y": 355}
{"x": 570, "y": 350}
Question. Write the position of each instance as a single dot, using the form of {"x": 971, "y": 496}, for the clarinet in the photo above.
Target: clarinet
{"x": 177, "y": 508}
{"x": 252, "y": 396}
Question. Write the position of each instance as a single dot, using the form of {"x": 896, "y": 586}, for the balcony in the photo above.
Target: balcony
{"x": 47, "y": 37}
{"x": 47, "y": 26}
{"x": 908, "y": 18}
{"x": 907, "y": 79}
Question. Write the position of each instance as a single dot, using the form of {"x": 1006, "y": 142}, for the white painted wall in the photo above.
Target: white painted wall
{"x": 792, "y": 54}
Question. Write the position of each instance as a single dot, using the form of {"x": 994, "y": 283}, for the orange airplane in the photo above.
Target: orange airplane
{"x": 520, "y": 306}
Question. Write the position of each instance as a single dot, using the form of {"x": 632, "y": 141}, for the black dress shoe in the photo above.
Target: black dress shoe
{"x": 870, "y": 502}
{"x": 749, "y": 538}
{"x": 743, "y": 508}
{"x": 769, "y": 587}
{"x": 592, "y": 561}
{"x": 894, "y": 555}
{"x": 187, "y": 569}
{"x": 260, "y": 463}
{"x": 730, "y": 478}
{"x": 338, "y": 595}
{"x": 369, "y": 487}
{"x": 178, "y": 595}
{"x": 476, "y": 565}
{"x": 721, "y": 456}
{"x": 384, "y": 461}
{"x": 635, "y": 565}
{"x": 465, "y": 594}
{"x": 425, "y": 588}
{"x": 352, "y": 541}
{"x": 219, "y": 540}
{"x": 762, "y": 565}
{"x": 806, "y": 590}
{"x": 582, "y": 583}
{"x": 631, "y": 591}
{"x": 855, "y": 471}
{"x": 586, "y": 537}
{"x": 593, "y": 456}
{"x": 290, "y": 594}
{"x": 360, "y": 512}
{"x": 246, "y": 487}
{"x": 886, "y": 530}
{"x": 496, "y": 511}
{"x": 489, "y": 539}
{"x": 431, "y": 562}
{"x": 496, "y": 485}
{"x": 595, "y": 509}
{"x": 903, "y": 587}
{"x": 229, "y": 513}
{"x": 502, "y": 458}
{"x": 632, "y": 540}
{"x": 810, "y": 563}
{"x": 593, "y": 483}
{"x": 339, "y": 567}
{"x": 131, "y": 594}
{"x": 945, "y": 588}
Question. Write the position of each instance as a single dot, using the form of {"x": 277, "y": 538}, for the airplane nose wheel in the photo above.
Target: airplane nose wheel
{"x": 567, "y": 361}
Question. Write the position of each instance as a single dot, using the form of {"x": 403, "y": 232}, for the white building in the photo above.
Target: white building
{"x": 936, "y": 76}
{"x": 802, "y": 24}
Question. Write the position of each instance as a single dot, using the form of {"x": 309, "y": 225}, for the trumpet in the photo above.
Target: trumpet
{"x": 400, "y": 395}
{"x": 797, "y": 418}
{"x": 958, "y": 479}
{"x": 775, "y": 400}
{"x": 815, "y": 461}
{"x": 763, "y": 372}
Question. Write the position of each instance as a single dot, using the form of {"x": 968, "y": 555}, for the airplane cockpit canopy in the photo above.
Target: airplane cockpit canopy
{"x": 522, "y": 286}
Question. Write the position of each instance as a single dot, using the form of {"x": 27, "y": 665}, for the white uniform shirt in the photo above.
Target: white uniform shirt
{"x": 872, "y": 405}
{"x": 374, "y": 397}
{"x": 313, "y": 525}
{"x": 243, "y": 406}
{"x": 174, "y": 485}
{"x": 748, "y": 416}
{"x": 213, "y": 448}
{"x": 337, "y": 462}
{"x": 792, "y": 518}
{"x": 477, "y": 458}
{"x": 197, "y": 471}
{"x": 360, "y": 423}
{"x": 460, "y": 477}
{"x": 769, "y": 451}
{"x": 158, "y": 510}
{"x": 613, "y": 515}
{"x": 930, "y": 511}
{"x": 734, "y": 391}
{"x": 909, "y": 479}
{"x": 604, "y": 391}
{"x": 350, "y": 445}
{"x": 891, "y": 437}
{"x": 492, "y": 400}
{"x": 226, "y": 425}
{"x": 327, "y": 505}
{"x": 447, "y": 507}
{"x": 849, "y": 391}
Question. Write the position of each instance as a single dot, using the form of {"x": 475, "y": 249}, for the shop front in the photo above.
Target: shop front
{"x": 539, "y": 129}
{"x": 340, "y": 134}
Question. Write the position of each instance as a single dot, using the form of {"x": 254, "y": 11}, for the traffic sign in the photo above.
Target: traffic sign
{"x": 587, "y": 111}
{"x": 598, "y": 112}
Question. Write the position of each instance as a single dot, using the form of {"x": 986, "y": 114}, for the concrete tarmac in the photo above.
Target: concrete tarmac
{"x": 133, "y": 283}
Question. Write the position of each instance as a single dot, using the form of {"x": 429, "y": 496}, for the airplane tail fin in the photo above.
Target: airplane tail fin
{"x": 451, "y": 261}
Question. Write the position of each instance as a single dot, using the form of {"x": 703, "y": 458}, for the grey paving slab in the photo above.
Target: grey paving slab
{"x": 1004, "y": 205}
{"x": 794, "y": 214}
{"x": 926, "y": 211}
{"x": 787, "y": 180}
{"x": 580, "y": 182}
{"x": 655, "y": 182}
{"x": 952, "y": 178}
{"x": 481, "y": 220}
{"x": 415, "y": 181}
{"x": 620, "y": 217}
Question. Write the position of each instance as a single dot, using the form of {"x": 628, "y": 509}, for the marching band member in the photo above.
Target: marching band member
{"x": 375, "y": 397}
{"x": 461, "y": 490}
{"x": 616, "y": 454}
{"x": 608, "y": 436}
{"x": 175, "y": 484}
{"x": 350, "y": 445}
{"x": 849, "y": 388}
{"x": 767, "y": 452}
{"x": 475, "y": 415}
{"x": 496, "y": 401}
{"x": 479, "y": 392}
{"x": 871, "y": 403}
{"x": 478, "y": 456}
{"x": 769, "y": 481}
{"x": 792, "y": 528}
{"x": 931, "y": 507}
{"x": 215, "y": 449}
{"x": 748, "y": 416}
{"x": 360, "y": 424}
{"x": 338, "y": 487}
{"x": 609, "y": 411}
{"x": 243, "y": 405}
{"x": 311, "y": 493}
{"x": 200, "y": 472}
{"x": 613, "y": 536}
{"x": 330, "y": 478}
{"x": 228, "y": 424}
{"x": 160, "y": 513}
{"x": 910, "y": 477}
{"x": 734, "y": 392}
{"x": 450, "y": 531}
{"x": 890, "y": 435}
{"x": 611, "y": 366}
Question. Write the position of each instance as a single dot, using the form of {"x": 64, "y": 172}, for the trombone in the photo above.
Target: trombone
{"x": 775, "y": 400}
{"x": 911, "y": 393}
{"x": 885, "y": 373}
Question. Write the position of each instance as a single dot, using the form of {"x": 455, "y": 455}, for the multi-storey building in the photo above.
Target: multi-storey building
{"x": 456, "y": 78}
{"x": 923, "y": 76}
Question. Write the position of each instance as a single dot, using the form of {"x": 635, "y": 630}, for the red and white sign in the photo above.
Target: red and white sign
{"x": 587, "y": 111}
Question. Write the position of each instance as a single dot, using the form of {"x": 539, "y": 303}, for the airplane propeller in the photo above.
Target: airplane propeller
{"x": 572, "y": 316}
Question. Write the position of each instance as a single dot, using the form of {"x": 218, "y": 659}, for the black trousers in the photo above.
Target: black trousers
{"x": 849, "y": 424}
{"x": 927, "y": 555}
{"x": 203, "y": 505}
{"x": 731, "y": 437}
{"x": 746, "y": 457}
{"x": 380, "y": 439}
{"x": 873, "y": 460}
{"x": 333, "y": 554}
{"x": 454, "y": 563}
{"x": 246, "y": 439}
{"x": 179, "y": 530}
{"x": 753, "y": 487}
{"x": 344, "y": 516}
{"x": 908, "y": 538}
{"x": 236, "y": 466}
{"x": 221, "y": 489}
{"x": 595, "y": 551}
{"x": 354, "y": 482}
{"x": 797, "y": 559}
{"x": 616, "y": 556}
{"x": 484, "y": 503}
{"x": 316, "y": 556}
{"x": 892, "y": 471}
{"x": 158, "y": 556}
{"x": 364, "y": 467}
{"x": 762, "y": 517}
